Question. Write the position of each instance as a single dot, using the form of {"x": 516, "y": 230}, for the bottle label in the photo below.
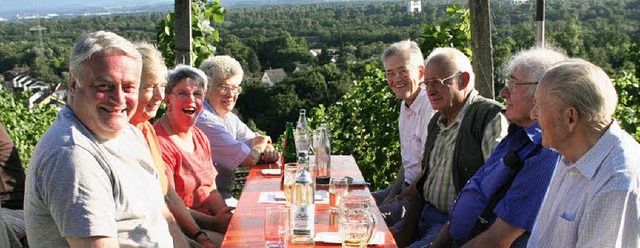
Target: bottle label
{"x": 303, "y": 219}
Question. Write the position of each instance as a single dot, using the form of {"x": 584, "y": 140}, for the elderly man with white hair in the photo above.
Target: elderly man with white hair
{"x": 461, "y": 136}
{"x": 593, "y": 199}
{"x": 232, "y": 142}
{"x": 499, "y": 205}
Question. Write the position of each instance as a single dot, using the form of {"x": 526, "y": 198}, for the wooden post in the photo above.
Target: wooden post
{"x": 182, "y": 38}
{"x": 540, "y": 20}
{"x": 481, "y": 46}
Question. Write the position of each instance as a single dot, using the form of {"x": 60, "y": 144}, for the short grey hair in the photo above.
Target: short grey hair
{"x": 152, "y": 62}
{"x": 534, "y": 62}
{"x": 458, "y": 60}
{"x": 404, "y": 47}
{"x": 221, "y": 67}
{"x": 184, "y": 71}
{"x": 99, "y": 42}
{"x": 584, "y": 86}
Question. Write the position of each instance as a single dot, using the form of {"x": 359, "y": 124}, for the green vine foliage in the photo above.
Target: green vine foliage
{"x": 454, "y": 32}
{"x": 364, "y": 123}
{"x": 203, "y": 13}
{"x": 628, "y": 109}
{"x": 24, "y": 125}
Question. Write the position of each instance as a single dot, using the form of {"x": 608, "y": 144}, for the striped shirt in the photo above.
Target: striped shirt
{"x": 594, "y": 202}
{"x": 438, "y": 187}
{"x": 413, "y": 124}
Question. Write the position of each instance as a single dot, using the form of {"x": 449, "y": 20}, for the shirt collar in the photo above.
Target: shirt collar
{"x": 207, "y": 108}
{"x": 418, "y": 103}
{"x": 589, "y": 163}
{"x": 519, "y": 136}
{"x": 470, "y": 99}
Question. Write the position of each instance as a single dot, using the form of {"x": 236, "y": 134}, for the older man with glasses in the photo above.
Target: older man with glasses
{"x": 499, "y": 205}
{"x": 232, "y": 142}
{"x": 404, "y": 69}
{"x": 461, "y": 136}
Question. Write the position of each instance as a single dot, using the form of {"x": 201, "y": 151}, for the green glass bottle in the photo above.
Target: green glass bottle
{"x": 290, "y": 155}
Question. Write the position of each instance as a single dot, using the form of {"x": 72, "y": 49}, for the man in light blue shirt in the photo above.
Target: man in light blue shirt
{"x": 232, "y": 142}
{"x": 593, "y": 199}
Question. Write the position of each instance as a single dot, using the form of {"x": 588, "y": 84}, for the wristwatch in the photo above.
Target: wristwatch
{"x": 256, "y": 154}
{"x": 197, "y": 234}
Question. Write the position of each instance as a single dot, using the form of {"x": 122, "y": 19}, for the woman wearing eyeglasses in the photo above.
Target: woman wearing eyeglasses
{"x": 186, "y": 151}
{"x": 232, "y": 142}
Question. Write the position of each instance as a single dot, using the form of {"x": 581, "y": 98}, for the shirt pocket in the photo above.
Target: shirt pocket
{"x": 566, "y": 231}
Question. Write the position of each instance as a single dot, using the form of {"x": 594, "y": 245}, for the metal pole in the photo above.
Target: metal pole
{"x": 540, "y": 21}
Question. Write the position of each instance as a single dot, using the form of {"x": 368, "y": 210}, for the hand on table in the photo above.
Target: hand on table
{"x": 223, "y": 218}
{"x": 205, "y": 242}
{"x": 270, "y": 154}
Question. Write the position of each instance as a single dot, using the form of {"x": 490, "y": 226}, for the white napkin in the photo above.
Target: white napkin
{"x": 334, "y": 237}
{"x": 270, "y": 172}
{"x": 322, "y": 197}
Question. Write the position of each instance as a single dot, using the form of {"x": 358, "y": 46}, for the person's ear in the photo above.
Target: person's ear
{"x": 421, "y": 73}
{"x": 72, "y": 83}
{"x": 571, "y": 117}
{"x": 463, "y": 79}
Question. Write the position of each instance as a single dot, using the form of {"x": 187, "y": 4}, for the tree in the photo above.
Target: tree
{"x": 203, "y": 13}
{"x": 20, "y": 122}
{"x": 372, "y": 139}
{"x": 454, "y": 32}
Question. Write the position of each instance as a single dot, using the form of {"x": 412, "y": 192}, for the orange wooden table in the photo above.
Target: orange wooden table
{"x": 246, "y": 226}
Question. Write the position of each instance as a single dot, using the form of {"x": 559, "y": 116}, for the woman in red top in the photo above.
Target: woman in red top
{"x": 186, "y": 151}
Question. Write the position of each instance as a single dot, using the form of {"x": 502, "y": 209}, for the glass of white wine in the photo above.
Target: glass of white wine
{"x": 290, "y": 170}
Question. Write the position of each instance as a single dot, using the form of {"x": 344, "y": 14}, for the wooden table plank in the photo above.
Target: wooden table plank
{"x": 247, "y": 224}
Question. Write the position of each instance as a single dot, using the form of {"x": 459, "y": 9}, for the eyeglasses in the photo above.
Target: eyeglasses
{"x": 399, "y": 73}
{"x": 226, "y": 89}
{"x": 437, "y": 83}
{"x": 509, "y": 85}
{"x": 198, "y": 95}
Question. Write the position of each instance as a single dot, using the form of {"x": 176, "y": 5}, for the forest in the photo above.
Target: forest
{"x": 348, "y": 93}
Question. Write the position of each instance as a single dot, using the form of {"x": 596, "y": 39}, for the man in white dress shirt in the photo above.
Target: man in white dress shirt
{"x": 404, "y": 69}
{"x": 592, "y": 200}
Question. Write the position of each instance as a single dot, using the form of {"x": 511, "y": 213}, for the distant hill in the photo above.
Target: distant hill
{"x": 26, "y": 9}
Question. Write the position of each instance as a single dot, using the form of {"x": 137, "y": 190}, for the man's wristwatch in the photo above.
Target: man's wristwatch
{"x": 197, "y": 234}
{"x": 256, "y": 154}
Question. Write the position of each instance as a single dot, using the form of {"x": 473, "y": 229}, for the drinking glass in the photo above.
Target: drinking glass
{"x": 357, "y": 222}
{"x": 338, "y": 188}
{"x": 290, "y": 170}
{"x": 276, "y": 226}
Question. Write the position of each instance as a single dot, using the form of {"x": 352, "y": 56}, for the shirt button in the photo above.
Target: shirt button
{"x": 573, "y": 172}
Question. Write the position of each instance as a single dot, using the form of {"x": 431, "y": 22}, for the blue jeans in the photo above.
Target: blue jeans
{"x": 430, "y": 223}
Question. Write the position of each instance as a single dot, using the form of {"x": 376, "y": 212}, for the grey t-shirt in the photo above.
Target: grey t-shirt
{"x": 80, "y": 186}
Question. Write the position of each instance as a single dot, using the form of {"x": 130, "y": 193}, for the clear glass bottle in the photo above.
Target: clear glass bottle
{"x": 303, "y": 210}
{"x": 303, "y": 139}
{"x": 323, "y": 156}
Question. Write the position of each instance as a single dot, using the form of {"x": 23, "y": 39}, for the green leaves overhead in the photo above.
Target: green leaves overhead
{"x": 454, "y": 32}
{"x": 203, "y": 14}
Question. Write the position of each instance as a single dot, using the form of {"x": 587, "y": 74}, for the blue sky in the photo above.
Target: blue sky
{"x": 35, "y": 5}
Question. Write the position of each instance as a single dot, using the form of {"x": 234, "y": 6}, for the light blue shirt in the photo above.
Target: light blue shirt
{"x": 594, "y": 202}
{"x": 230, "y": 141}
